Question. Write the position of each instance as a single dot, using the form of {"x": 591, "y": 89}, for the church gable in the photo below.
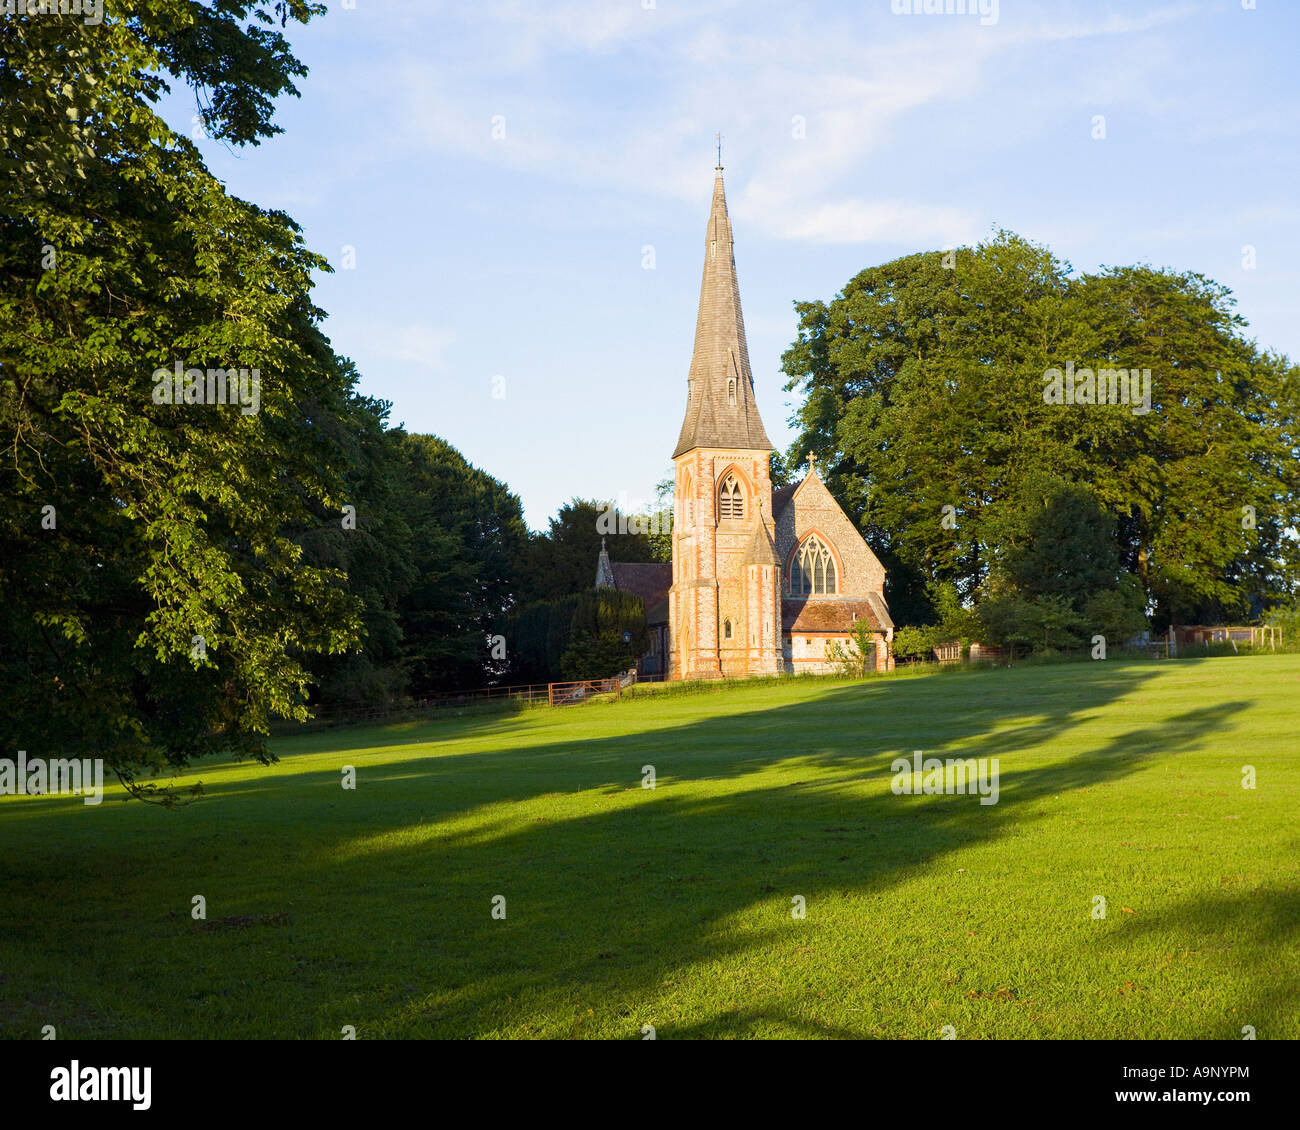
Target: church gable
{"x": 810, "y": 509}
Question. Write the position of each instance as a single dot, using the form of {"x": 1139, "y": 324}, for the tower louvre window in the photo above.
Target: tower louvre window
{"x": 731, "y": 391}
{"x": 813, "y": 571}
{"x": 731, "y": 500}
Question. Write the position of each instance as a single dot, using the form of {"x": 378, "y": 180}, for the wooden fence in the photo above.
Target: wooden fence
{"x": 524, "y": 694}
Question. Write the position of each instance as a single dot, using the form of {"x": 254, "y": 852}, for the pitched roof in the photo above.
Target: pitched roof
{"x": 720, "y": 351}
{"x": 762, "y": 549}
{"x": 781, "y": 498}
{"x": 650, "y": 580}
{"x": 822, "y": 614}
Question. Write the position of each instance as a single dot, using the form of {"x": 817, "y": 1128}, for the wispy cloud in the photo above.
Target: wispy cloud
{"x": 804, "y": 110}
{"x": 413, "y": 343}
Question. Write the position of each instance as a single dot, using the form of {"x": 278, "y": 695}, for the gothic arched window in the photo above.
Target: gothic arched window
{"x": 688, "y": 499}
{"x": 813, "y": 569}
{"x": 726, "y": 630}
{"x": 731, "y": 500}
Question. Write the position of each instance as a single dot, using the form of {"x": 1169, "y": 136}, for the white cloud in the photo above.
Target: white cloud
{"x": 876, "y": 221}
{"x": 414, "y": 343}
{"x": 854, "y": 86}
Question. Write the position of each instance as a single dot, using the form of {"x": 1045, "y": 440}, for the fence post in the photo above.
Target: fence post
{"x": 550, "y": 694}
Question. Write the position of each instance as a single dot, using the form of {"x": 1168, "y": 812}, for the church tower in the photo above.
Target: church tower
{"x": 724, "y": 607}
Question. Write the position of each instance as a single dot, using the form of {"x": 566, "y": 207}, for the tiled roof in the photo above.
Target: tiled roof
{"x": 650, "y": 580}
{"x": 721, "y": 352}
{"x": 827, "y": 614}
{"x": 781, "y": 498}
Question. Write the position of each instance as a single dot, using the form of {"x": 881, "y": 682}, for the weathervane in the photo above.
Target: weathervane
{"x": 719, "y": 137}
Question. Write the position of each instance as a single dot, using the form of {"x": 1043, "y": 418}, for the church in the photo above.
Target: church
{"x": 763, "y": 580}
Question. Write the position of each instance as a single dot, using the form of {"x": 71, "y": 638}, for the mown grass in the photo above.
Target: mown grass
{"x": 671, "y": 907}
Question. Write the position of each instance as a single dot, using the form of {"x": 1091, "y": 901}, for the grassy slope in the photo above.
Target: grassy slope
{"x": 672, "y": 907}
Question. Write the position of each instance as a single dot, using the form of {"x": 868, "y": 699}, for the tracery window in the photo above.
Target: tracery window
{"x": 813, "y": 570}
{"x": 731, "y": 500}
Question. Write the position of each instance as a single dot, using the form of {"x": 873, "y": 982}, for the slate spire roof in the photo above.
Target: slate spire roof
{"x": 720, "y": 354}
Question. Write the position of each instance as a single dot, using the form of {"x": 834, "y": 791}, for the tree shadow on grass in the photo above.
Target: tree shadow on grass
{"x": 612, "y": 902}
{"x": 392, "y": 929}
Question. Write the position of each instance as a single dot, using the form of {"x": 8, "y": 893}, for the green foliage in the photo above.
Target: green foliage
{"x": 169, "y": 611}
{"x": 1038, "y": 623}
{"x": 1057, "y": 542}
{"x": 468, "y": 536}
{"x": 1119, "y": 613}
{"x": 856, "y": 656}
{"x": 953, "y": 622}
{"x": 779, "y": 470}
{"x": 371, "y": 548}
{"x": 1055, "y": 580}
{"x": 177, "y": 575}
{"x": 914, "y": 641}
{"x": 562, "y": 561}
{"x": 661, "y": 524}
{"x": 608, "y": 635}
{"x": 537, "y": 636}
{"x": 923, "y": 389}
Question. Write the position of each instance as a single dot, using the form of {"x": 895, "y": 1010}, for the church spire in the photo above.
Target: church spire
{"x": 604, "y": 571}
{"x": 720, "y": 407}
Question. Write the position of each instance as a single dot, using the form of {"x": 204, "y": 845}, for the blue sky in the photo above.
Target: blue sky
{"x": 852, "y": 135}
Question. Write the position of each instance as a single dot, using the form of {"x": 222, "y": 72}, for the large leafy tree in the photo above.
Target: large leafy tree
{"x": 467, "y": 538}
{"x": 923, "y": 386}
{"x": 370, "y": 542}
{"x": 562, "y": 561}
{"x": 157, "y": 603}
{"x": 608, "y": 635}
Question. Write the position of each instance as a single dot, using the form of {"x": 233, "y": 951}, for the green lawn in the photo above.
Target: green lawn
{"x": 629, "y": 907}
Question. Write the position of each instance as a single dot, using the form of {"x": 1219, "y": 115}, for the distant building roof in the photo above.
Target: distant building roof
{"x": 650, "y": 580}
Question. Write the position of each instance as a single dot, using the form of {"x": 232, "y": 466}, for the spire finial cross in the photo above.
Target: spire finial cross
{"x": 812, "y": 461}
{"x": 719, "y": 139}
